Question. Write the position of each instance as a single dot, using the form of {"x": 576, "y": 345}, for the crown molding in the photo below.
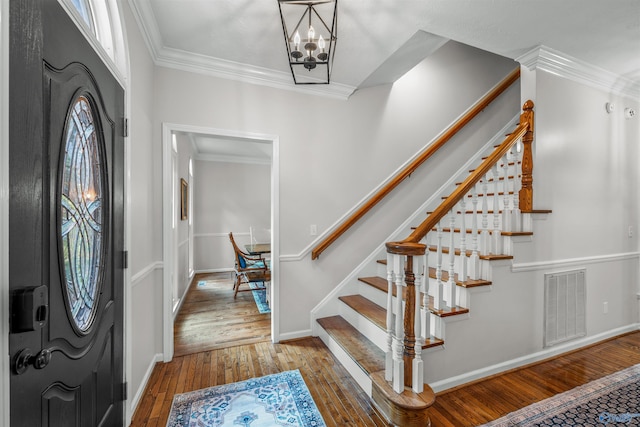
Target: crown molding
{"x": 196, "y": 63}
{"x": 143, "y": 14}
{"x": 558, "y": 63}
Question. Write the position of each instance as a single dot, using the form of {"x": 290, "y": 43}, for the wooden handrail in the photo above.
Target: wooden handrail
{"x": 410, "y": 168}
{"x": 408, "y": 245}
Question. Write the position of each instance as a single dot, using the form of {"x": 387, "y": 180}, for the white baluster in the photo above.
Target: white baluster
{"x": 398, "y": 338}
{"x": 438, "y": 296}
{"x": 426, "y": 316}
{"x": 485, "y": 237}
{"x": 517, "y": 185}
{"x": 462, "y": 271}
{"x": 474, "y": 259}
{"x": 450, "y": 296}
{"x": 508, "y": 195}
{"x": 388, "y": 370}
{"x": 496, "y": 237}
{"x": 418, "y": 364}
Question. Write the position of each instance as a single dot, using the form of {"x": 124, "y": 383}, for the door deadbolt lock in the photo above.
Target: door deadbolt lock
{"x": 26, "y": 358}
{"x": 29, "y": 309}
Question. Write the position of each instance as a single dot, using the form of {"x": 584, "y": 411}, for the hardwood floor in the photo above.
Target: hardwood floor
{"x": 343, "y": 403}
{"x": 492, "y": 398}
{"x": 210, "y": 318}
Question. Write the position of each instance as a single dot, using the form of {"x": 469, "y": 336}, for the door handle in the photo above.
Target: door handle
{"x": 26, "y": 357}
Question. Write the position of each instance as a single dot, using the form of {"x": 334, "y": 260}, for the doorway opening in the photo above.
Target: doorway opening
{"x": 199, "y": 166}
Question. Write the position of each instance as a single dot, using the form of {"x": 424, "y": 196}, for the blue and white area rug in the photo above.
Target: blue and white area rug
{"x": 610, "y": 401}
{"x": 274, "y": 400}
{"x": 260, "y": 296}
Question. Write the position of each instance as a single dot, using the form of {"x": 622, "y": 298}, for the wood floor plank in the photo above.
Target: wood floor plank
{"x": 343, "y": 403}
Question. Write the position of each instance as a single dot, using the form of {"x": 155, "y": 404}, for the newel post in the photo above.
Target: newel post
{"x": 408, "y": 250}
{"x": 526, "y": 192}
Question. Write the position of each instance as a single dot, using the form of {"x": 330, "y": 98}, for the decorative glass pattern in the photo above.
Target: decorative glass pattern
{"x": 82, "y": 214}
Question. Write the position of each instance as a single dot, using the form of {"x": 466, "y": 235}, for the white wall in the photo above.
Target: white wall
{"x": 183, "y": 243}
{"x": 352, "y": 146}
{"x": 585, "y": 171}
{"x": 228, "y": 197}
{"x": 333, "y": 153}
{"x": 145, "y": 253}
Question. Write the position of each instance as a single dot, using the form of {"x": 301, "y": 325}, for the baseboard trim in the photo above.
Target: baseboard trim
{"x": 498, "y": 368}
{"x": 143, "y": 384}
{"x": 214, "y": 270}
{"x": 294, "y": 335}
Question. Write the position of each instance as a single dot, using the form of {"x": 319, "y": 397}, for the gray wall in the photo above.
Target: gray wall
{"x": 229, "y": 197}
{"x": 354, "y": 145}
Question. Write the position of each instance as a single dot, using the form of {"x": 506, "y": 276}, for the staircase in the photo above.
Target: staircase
{"x": 385, "y": 325}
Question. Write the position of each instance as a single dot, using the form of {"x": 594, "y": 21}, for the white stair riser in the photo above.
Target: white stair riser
{"x": 369, "y": 329}
{"x": 361, "y": 377}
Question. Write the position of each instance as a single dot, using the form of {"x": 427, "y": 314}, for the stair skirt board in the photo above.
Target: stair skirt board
{"x": 565, "y": 302}
{"x": 361, "y": 377}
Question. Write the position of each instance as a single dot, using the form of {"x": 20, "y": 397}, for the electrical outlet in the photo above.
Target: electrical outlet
{"x": 605, "y": 307}
{"x": 630, "y": 231}
{"x": 313, "y": 229}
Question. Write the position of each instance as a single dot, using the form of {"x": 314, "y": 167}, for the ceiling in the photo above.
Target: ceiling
{"x": 247, "y": 34}
{"x": 380, "y": 40}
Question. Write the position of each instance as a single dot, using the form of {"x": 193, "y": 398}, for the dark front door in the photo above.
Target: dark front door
{"x": 66, "y": 225}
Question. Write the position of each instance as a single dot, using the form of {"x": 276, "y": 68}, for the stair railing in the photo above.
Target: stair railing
{"x": 407, "y": 260}
{"x": 423, "y": 157}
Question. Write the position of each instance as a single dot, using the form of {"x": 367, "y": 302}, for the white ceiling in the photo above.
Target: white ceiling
{"x": 219, "y": 148}
{"x": 379, "y": 40}
{"x": 247, "y": 34}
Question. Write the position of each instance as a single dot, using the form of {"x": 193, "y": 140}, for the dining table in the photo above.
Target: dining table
{"x": 258, "y": 248}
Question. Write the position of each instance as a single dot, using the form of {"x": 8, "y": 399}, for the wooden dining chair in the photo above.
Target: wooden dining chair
{"x": 248, "y": 269}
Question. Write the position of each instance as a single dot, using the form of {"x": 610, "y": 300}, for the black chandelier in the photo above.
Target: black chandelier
{"x": 311, "y": 42}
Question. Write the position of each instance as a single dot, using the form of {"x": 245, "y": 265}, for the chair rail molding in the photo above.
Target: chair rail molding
{"x": 137, "y": 278}
{"x": 572, "y": 262}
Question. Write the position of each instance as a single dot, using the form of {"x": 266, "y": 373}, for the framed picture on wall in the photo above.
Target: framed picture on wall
{"x": 184, "y": 199}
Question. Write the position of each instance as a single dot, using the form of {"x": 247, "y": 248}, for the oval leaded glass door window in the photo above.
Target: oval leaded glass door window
{"x": 82, "y": 231}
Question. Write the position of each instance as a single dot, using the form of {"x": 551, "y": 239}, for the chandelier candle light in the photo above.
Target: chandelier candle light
{"x": 310, "y": 59}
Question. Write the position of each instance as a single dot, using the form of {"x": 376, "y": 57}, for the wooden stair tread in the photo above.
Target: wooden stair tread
{"x": 470, "y": 231}
{"x": 378, "y": 315}
{"x": 469, "y": 283}
{"x": 377, "y": 282}
{"x": 500, "y": 193}
{"x": 407, "y": 409}
{"x": 489, "y": 212}
{"x": 381, "y": 284}
{"x": 408, "y": 398}
{"x": 365, "y": 353}
{"x": 367, "y": 308}
{"x": 489, "y": 257}
{"x": 447, "y": 311}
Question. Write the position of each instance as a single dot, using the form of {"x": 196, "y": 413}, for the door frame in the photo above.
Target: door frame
{"x": 122, "y": 74}
{"x": 4, "y": 214}
{"x": 169, "y": 248}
